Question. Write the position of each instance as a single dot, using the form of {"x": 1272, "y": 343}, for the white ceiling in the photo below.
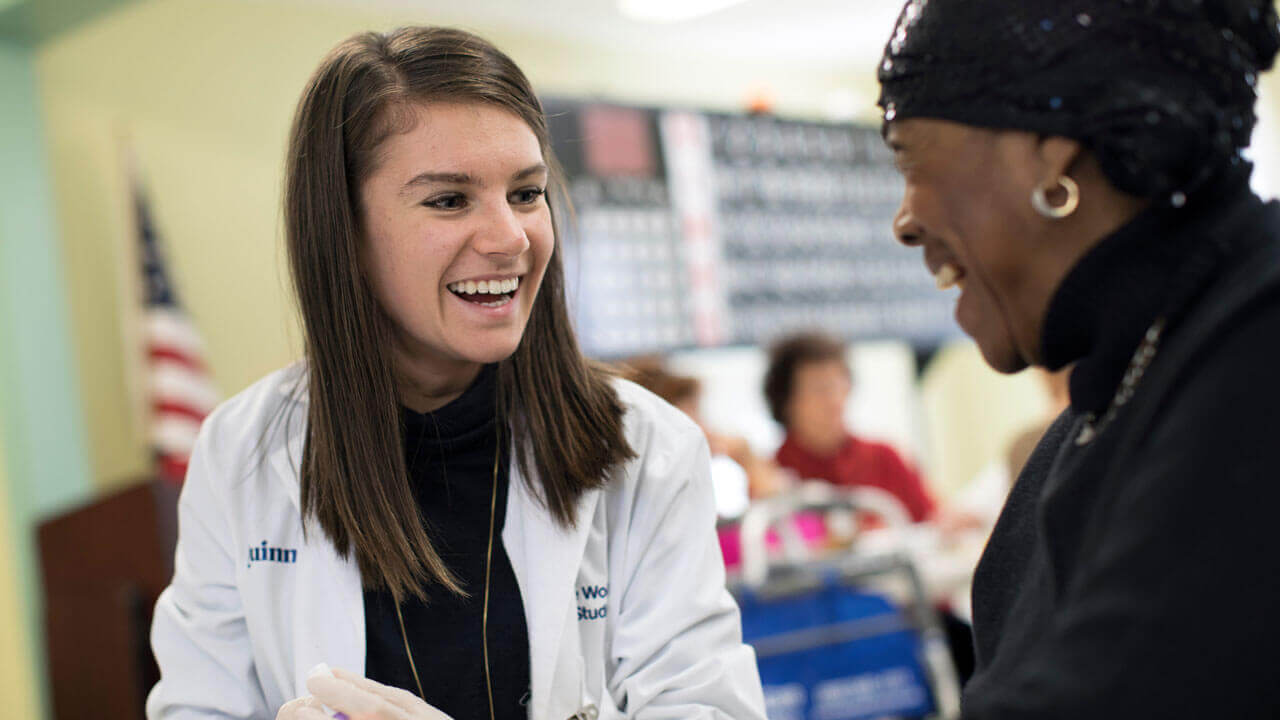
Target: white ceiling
{"x": 841, "y": 33}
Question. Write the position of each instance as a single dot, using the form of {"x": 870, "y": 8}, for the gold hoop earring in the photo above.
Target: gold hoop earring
{"x": 1041, "y": 203}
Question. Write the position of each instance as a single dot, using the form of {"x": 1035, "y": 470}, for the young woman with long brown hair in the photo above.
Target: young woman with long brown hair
{"x": 445, "y": 498}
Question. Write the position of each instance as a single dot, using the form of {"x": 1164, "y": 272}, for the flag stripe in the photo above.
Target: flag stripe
{"x": 160, "y": 352}
{"x": 168, "y": 407}
{"x": 171, "y": 382}
{"x": 174, "y": 435}
{"x": 172, "y": 468}
{"x": 181, "y": 393}
{"x": 168, "y": 326}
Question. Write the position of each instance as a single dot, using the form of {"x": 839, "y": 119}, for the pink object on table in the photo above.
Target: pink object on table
{"x": 810, "y": 525}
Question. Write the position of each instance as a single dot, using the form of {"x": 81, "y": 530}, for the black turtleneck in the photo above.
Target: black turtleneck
{"x": 450, "y": 456}
{"x": 1152, "y": 266}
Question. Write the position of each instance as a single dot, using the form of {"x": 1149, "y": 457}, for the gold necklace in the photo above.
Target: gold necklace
{"x": 1142, "y": 358}
{"x": 488, "y": 567}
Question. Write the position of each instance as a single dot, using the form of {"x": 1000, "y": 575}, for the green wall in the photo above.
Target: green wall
{"x": 45, "y": 466}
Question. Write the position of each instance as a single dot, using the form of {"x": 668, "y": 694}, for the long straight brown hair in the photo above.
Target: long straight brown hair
{"x": 559, "y": 408}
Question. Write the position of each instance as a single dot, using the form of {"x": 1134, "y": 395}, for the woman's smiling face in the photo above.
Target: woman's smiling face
{"x": 457, "y": 234}
{"x": 966, "y": 204}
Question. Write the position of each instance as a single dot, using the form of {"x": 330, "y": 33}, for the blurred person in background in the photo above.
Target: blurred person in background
{"x": 807, "y": 387}
{"x": 737, "y": 472}
{"x": 1075, "y": 168}
{"x": 445, "y": 497}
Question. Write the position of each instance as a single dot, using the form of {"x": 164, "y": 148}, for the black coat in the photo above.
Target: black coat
{"x": 1138, "y": 575}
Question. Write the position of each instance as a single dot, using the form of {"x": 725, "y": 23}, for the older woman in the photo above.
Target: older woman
{"x": 1074, "y": 168}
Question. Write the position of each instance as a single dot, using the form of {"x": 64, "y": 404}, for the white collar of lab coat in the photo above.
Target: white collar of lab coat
{"x": 546, "y": 558}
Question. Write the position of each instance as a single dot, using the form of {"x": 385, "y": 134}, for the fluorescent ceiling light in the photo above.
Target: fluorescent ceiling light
{"x": 671, "y": 11}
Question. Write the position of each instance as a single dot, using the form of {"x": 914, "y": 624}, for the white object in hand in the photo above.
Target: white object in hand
{"x": 364, "y": 699}
{"x": 307, "y": 708}
{"x": 322, "y": 670}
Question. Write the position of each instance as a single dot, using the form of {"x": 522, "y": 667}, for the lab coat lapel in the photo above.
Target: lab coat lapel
{"x": 288, "y": 437}
{"x": 286, "y": 458}
{"x": 546, "y": 558}
{"x": 328, "y": 598}
{"x": 328, "y": 603}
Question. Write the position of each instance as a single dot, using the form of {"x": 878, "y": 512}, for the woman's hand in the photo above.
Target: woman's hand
{"x": 306, "y": 708}
{"x": 358, "y": 699}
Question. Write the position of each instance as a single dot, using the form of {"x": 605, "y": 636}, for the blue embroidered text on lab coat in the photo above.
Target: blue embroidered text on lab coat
{"x": 593, "y": 592}
{"x": 271, "y": 554}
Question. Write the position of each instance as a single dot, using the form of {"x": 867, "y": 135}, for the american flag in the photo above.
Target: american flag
{"x": 181, "y": 393}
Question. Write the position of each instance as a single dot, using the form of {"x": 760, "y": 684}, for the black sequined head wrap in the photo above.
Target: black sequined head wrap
{"x": 1162, "y": 91}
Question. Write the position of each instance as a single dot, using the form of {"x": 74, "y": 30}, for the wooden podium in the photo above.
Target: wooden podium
{"x": 104, "y": 565}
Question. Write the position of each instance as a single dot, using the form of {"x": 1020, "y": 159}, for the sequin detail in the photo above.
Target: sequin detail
{"x": 1082, "y": 69}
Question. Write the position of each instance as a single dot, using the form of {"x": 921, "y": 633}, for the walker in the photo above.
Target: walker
{"x": 844, "y": 636}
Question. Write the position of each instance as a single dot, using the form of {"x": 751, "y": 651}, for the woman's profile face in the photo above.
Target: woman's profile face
{"x": 457, "y": 233}
{"x": 966, "y": 204}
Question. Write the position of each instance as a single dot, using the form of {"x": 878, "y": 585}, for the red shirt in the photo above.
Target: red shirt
{"x": 862, "y": 462}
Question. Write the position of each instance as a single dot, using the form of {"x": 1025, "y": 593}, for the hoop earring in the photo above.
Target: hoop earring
{"x": 1041, "y": 203}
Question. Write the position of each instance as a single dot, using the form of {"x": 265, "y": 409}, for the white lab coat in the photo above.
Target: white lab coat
{"x": 626, "y": 612}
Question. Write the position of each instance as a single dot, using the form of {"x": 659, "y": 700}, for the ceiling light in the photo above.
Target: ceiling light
{"x": 671, "y": 11}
